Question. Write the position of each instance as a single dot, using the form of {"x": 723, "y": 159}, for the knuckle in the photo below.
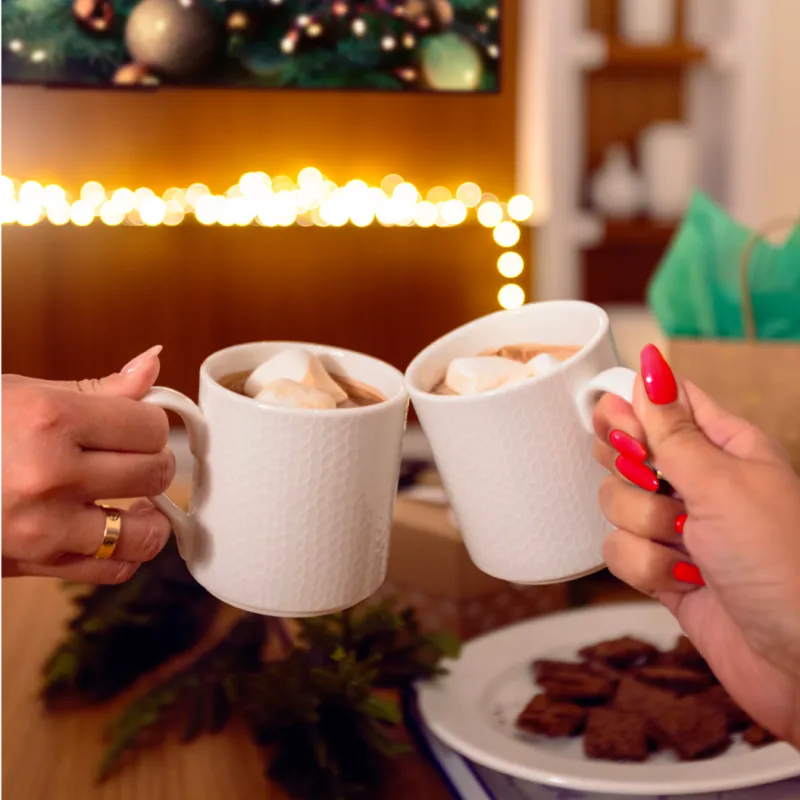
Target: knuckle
{"x": 652, "y": 516}
{"x": 89, "y": 385}
{"x": 33, "y": 540}
{"x": 35, "y": 480}
{"x": 45, "y": 414}
{"x": 154, "y": 535}
{"x": 606, "y": 496}
{"x": 121, "y": 571}
{"x": 161, "y": 473}
{"x": 160, "y": 425}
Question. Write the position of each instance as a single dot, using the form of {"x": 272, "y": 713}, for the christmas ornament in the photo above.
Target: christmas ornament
{"x": 438, "y": 13}
{"x": 134, "y": 75}
{"x": 450, "y": 63}
{"x": 239, "y": 21}
{"x": 174, "y": 38}
{"x": 95, "y": 16}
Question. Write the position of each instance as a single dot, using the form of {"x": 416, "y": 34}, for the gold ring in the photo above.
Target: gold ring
{"x": 110, "y": 533}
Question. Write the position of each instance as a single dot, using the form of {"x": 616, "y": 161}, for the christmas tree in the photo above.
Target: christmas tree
{"x": 418, "y": 45}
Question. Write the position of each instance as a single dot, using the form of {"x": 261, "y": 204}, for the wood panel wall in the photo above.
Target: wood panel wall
{"x": 80, "y": 301}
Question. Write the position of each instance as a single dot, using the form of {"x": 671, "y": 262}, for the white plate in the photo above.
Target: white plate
{"x": 473, "y": 708}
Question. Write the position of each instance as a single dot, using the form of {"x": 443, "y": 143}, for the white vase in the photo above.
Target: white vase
{"x": 668, "y": 159}
{"x": 647, "y": 22}
{"x": 616, "y": 189}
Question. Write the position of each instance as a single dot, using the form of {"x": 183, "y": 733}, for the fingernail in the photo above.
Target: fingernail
{"x": 637, "y": 473}
{"x": 627, "y": 446}
{"x": 679, "y": 523}
{"x": 687, "y": 573}
{"x": 659, "y": 380}
{"x": 135, "y": 363}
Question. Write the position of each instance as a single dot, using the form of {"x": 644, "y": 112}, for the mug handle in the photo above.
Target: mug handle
{"x": 617, "y": 380}
{"x": 197, "y": 430}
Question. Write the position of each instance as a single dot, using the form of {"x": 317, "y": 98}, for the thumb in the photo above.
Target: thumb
{"x": 134, "y": 380}
{"x": 680, "y": 448}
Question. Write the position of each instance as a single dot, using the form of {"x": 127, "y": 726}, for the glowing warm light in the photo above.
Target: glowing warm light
{"x": 390, "y": 183}
{"x": 490, "y": 214}
{"x": 7, "y": 188}
{"x": 124, "y": 200}
{"x": 405, "y": 193}
{"x": 30, "y": 192}
{"x": 506, "y": 234}
{"x": 469, "y": 194}
{"x": 152, "y": 211}
{"x": 520, "y": 207}
{"x": 58, "y": 214}
{"x": 439, "y": 194}
{"x": 453, "y": 212}
{"x": 29, "y": 212}
{"x": 206, "y": 209}
{"x": 511, "y": 296}
{"x": 93, "y": 193}
{"x": 510, "y": 264}
{"x": 53, "y": 196}
{"x": 425, "y": 214}
{"x": 195, "y": 192}
{"x": 112, "y": 214}
{"x": 258, "y": 199}
{"x": 82, "y": 213}
{"x": 310, "y": 178}
{"x": 252, "y": 184}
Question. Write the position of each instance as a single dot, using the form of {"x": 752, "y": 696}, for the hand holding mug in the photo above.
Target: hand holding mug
{"x": 726, "y": 556}
{"x": 68, "y": 444}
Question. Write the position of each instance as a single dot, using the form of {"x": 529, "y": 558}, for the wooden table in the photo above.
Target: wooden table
{"x": 54, "y": 757}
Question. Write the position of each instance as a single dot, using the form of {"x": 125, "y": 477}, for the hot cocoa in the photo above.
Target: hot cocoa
{"x": 505, "y": 366}
{"x": 295, "y": 378}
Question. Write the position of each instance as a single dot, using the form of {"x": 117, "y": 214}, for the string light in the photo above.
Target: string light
{"x": 511, "y": 296}
{"x": 510, "y": 264}
{"x": 281, "y": 201}
{"x": 506, "y": 234}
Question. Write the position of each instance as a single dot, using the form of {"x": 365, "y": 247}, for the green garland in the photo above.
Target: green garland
{"x": 319, "y": 709}
{"x": 44, "y": 42}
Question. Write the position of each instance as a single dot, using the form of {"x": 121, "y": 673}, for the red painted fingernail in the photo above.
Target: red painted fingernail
{"x": 679, "y": 523}
{"x": 688, "y": 573}
{"x": 659, "y": 381}
{"x": 638, "y": 473}
{"x": 627, "y": 446}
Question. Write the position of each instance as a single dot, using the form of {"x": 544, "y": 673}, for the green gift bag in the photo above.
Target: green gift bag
{"x": 729, "y": 302}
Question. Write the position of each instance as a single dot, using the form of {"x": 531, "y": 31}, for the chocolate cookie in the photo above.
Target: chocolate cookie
{"x": 615, "y": 736}
{"x": 550, "y": 717}
{"x": 691, "y": 728}
{"x": 677, "y": 679}
{"x": 621, "y": 653}
{"x": 720, "y": 699}
{"x": 758, "y": 736}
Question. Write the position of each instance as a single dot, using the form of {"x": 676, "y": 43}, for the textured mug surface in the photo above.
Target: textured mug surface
{"x": 291, "y": 509}
{"x": 516, "y": 462}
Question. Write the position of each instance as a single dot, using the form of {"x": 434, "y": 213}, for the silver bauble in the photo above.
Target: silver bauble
{"x": 173, "y": 38}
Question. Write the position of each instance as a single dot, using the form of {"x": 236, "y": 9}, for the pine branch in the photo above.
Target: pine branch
{"x": 121, "y": 632}
{"x": 202, "y": 697}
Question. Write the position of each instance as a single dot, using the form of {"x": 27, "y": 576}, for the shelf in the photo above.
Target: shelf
{"x": 637, "y": 232}
{"x": 675, "y": 55}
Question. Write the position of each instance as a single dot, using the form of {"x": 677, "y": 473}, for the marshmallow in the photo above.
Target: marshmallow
{"x": 542, "y": 364}
{"x": 292, "y": 394}
{"x": 482, "y": 373}
{"x": 298, "y": 365}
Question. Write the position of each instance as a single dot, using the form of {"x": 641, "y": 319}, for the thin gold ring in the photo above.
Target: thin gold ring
{"x": 110, "y": 532}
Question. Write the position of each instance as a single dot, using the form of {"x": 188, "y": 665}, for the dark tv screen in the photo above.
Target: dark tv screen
{"x": 384, "y": 45}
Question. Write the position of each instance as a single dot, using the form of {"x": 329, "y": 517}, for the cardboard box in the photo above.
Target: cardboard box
{"x": 431, "y": 571}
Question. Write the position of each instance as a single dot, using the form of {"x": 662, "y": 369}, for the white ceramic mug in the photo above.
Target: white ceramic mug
{"x": 516, "y": 462}
{"x": 291, "y": 509}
